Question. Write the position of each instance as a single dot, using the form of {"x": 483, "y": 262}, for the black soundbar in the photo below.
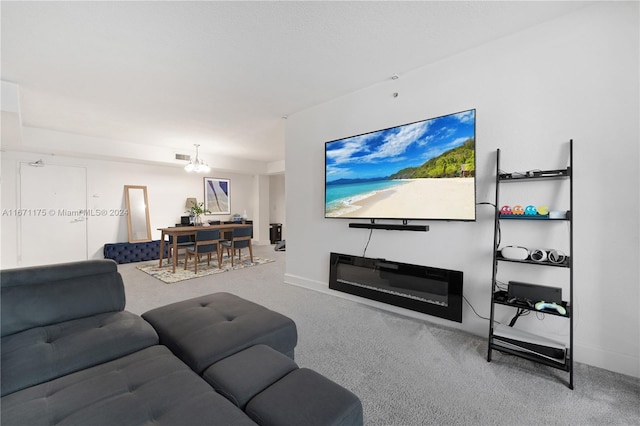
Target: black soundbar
{"x": 390, "y": 227}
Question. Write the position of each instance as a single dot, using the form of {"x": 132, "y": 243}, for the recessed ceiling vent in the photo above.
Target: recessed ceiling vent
{"x": 183, "y": 157}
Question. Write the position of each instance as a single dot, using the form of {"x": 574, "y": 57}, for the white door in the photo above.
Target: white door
{"x": 53, "y": 223}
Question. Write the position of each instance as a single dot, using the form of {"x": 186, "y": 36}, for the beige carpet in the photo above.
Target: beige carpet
{"x": 166, "y": 275}
{"x": 409, "y": 372}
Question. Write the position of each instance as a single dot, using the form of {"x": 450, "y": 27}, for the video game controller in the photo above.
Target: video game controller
{"x": 551, "y": 305}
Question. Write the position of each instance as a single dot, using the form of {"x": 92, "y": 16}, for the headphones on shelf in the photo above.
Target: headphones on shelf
{"x": 548, "y": 255}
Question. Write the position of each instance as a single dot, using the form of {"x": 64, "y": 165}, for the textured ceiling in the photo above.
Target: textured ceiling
{"x": 223, "y": 74}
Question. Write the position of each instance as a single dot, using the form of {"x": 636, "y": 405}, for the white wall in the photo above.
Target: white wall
{"x": 168, "y": 188}
{"x": 572, "y": 78}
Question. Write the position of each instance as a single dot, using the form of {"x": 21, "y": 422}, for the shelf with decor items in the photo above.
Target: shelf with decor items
{"x": 501, "y": 297}
{"x": 512, "y": 217}
{"x": 525, "y": 297}
{"x": 566, "y": 263}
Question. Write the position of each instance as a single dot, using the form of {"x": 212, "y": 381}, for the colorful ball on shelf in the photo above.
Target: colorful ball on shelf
{"x": 530, "y": 211}
{"x": 505, "y": 210}
{"x": 518, "y": 210}
{"x": 543, "y": 210}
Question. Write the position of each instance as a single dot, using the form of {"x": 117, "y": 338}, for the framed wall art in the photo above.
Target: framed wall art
{"x": 216, "y": 195}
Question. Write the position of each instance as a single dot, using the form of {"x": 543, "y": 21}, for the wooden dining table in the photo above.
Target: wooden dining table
{"x": 178, "y": 231}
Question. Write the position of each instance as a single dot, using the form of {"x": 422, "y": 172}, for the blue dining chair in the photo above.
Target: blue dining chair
{"x": 240, "y": 238}
{"x": 183, "y": 242}
{"x": 207, "y": 242}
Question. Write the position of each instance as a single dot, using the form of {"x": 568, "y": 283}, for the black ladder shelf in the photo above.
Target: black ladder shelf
{"x": 499, "y": 297}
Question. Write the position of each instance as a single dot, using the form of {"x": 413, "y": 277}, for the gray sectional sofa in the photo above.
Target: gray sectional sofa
{"x": 72, "y": 355}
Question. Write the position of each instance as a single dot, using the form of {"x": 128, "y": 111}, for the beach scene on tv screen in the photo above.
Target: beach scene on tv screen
{"x": 422, "y": 170}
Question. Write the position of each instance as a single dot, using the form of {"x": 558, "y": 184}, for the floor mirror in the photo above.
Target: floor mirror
{"x": 138, "y": 218}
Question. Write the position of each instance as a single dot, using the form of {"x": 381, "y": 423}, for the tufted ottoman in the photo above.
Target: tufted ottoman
{"x": 274, "y": 391}
{"x": 206, "y": 329}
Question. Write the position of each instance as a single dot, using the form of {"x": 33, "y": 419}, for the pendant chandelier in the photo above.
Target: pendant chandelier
{"x": 198, "y": 166}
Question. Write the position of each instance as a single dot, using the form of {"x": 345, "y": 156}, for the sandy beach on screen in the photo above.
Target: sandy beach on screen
{"x": 432, "y": 198}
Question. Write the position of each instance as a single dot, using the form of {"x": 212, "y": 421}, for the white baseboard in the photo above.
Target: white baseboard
{"x": 609, "y": 360}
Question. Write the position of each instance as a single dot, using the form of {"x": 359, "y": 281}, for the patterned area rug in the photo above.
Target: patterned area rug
{"x": 165, "y": 275}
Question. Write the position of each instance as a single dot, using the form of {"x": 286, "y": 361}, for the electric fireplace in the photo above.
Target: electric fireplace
{"x": 432, "y": 291}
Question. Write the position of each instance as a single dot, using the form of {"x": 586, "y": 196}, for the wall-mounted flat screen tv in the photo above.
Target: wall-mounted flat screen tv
{"x": 417, "y": 171}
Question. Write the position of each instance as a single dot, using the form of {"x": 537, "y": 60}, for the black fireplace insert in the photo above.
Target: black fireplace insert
{"x": 432, "y": 291}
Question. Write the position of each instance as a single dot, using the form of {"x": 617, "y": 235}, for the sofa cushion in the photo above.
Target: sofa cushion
{"x": 206, "y": 329}
{"x": 242, "y": 376}
{"x": 304, "y": 397}
{"x": 43, "y": 295}
{"x": 44, "y": 353}
{"x": 149, "y": 387}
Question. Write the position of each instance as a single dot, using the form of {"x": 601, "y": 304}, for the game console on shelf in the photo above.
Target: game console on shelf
{"x": 536, "y": 255}
{"x": 527, "y": 292}
{"x": 536, "y": 296}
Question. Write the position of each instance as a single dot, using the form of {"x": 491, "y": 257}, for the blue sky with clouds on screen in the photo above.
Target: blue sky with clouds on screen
{"x": 384, "y": 152}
